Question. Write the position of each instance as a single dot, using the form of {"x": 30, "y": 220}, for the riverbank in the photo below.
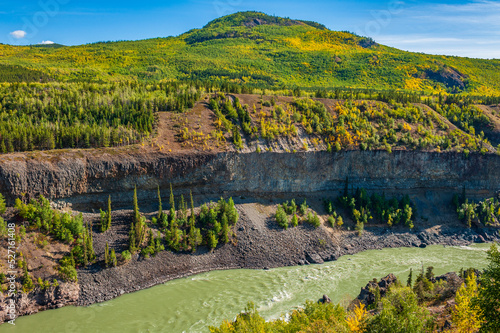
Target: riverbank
{"x": 258, "y": 244}
{"x": 192, "y": 304}
{"x": 262, "y": 245}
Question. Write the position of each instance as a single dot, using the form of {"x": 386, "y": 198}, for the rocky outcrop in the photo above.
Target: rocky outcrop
{"x": 82, "y": 180}
{"x": 38, "y": 300}
{"x": 367, "y": 294}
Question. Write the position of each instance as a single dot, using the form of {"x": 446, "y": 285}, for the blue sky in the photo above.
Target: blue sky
{"x": 464, "y": 28}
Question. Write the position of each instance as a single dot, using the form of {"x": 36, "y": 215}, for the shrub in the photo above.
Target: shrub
{"x": 281, "y": 217}
{"x": 313, "y": 219}
{"x": 360, "y": 227}
{"x": 331, "y": 221}
{"x": 126, "y": 255}
{"x": 401, "y": 313}
{"x": 303, "y": 208}
{"x": 340, "y": 221}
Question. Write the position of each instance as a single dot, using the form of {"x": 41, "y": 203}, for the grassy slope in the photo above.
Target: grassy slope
{"x": 276, "y": 52}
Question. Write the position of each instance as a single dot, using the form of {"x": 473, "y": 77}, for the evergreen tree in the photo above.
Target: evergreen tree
{"x": 172, "y": 199}
{"x": 409, "y": 282}
{"x": 140, "y": 231}
{"x": 183, "y": 208}
{"x": 212, "y": 240}
{"x": 103, "y": 223}
{"x": 429, "y": 274}
{"x": 27, "y": 281}
{"x": 225, "y": 231}
{"x": 85, "y": 248}
{"x": 192, "y": 217}
{"x": 137, "y": 214}
{"x": 195, "y": 238}
{"x": 131, "y": 239}
{"x": 108, "y": 215}
{"x": 488, "y": 298}
{"x": 112, "y": 258}
{"x": 137, "y": 227}
{"x": 2, "y": 204}
{"x": 160, "y": 210}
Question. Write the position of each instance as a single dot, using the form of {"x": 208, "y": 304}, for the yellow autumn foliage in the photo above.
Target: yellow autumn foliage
{"x": 357, "y": 321}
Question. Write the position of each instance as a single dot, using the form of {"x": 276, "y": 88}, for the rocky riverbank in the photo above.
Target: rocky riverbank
{"x": 261, "y": 245}
{"x": 85, "y": 179}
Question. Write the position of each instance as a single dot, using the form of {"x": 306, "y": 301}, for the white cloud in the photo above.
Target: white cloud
{"x": 411, "y": 39}
{"x": 47, "y": 42}
{"x": 18, "y": 34}
{"x": 470, "y": 29}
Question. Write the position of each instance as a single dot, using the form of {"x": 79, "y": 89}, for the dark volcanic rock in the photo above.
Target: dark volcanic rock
{"x": 325, "y": 299}
{"x": 367, "y": 295}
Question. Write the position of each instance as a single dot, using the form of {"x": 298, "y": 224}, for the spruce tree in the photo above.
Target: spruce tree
{"x": 160, "y": 210}
{"x": 112, "y": 258}
{"x": 131, "y": 239}
{"x": 172, "y": 199}
{"x": 183, "y": 208}
{"x": 108, "y": 225}
{"x": 225, "y": 231}
{"x": 409, "y": 282}
{"x": 85, "y": 250}
{"x": 489, "y": 292}
{"x": 2, "y": 205}
{"x": 103, "y": 221}
{"x": 192, "y": 218}
{"x": 137, "y": 215}
{"x": 27, "y": 281}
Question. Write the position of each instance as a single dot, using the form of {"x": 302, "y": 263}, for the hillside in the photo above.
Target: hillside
{"x": 258, "y": 50}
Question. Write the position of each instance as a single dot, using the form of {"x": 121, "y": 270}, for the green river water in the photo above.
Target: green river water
{"x": 191, "y": 304}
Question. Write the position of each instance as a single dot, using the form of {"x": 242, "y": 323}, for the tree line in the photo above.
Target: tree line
{"x": 38, "y": 116}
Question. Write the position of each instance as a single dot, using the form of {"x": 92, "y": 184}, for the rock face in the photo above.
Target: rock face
{"x": 38, "y": 300}
{"x": 367, "y": 294}
{"x": 85, "y": 179}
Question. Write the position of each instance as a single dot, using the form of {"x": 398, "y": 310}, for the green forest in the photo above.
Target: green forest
{"x": 278, "y": 52}
{"x": 109, "y": 94}
{"x": 35, "y": 116}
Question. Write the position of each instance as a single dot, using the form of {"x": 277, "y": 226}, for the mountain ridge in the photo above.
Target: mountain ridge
{"x": 252, "y": 48}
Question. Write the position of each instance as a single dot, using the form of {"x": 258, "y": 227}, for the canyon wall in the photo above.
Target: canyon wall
{"x": 85, "y": 180}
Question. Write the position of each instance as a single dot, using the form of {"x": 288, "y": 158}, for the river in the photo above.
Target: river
{"x": 191, "y": 304}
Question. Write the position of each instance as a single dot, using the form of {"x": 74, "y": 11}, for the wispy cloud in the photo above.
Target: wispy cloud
{"x": 18, "y": 34}
{"x": 479, "y": 6}
{"x": 416, "y": 39}
{"x": 470, "y": 29}
{"x": 47, "y": 42}
{"x": 476, "y": 12}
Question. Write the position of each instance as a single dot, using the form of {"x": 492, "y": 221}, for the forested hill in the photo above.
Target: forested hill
{"x": 258, "y": 50}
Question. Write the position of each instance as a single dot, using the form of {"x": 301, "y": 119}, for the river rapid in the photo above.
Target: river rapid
{"x": 192, "y": 304}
